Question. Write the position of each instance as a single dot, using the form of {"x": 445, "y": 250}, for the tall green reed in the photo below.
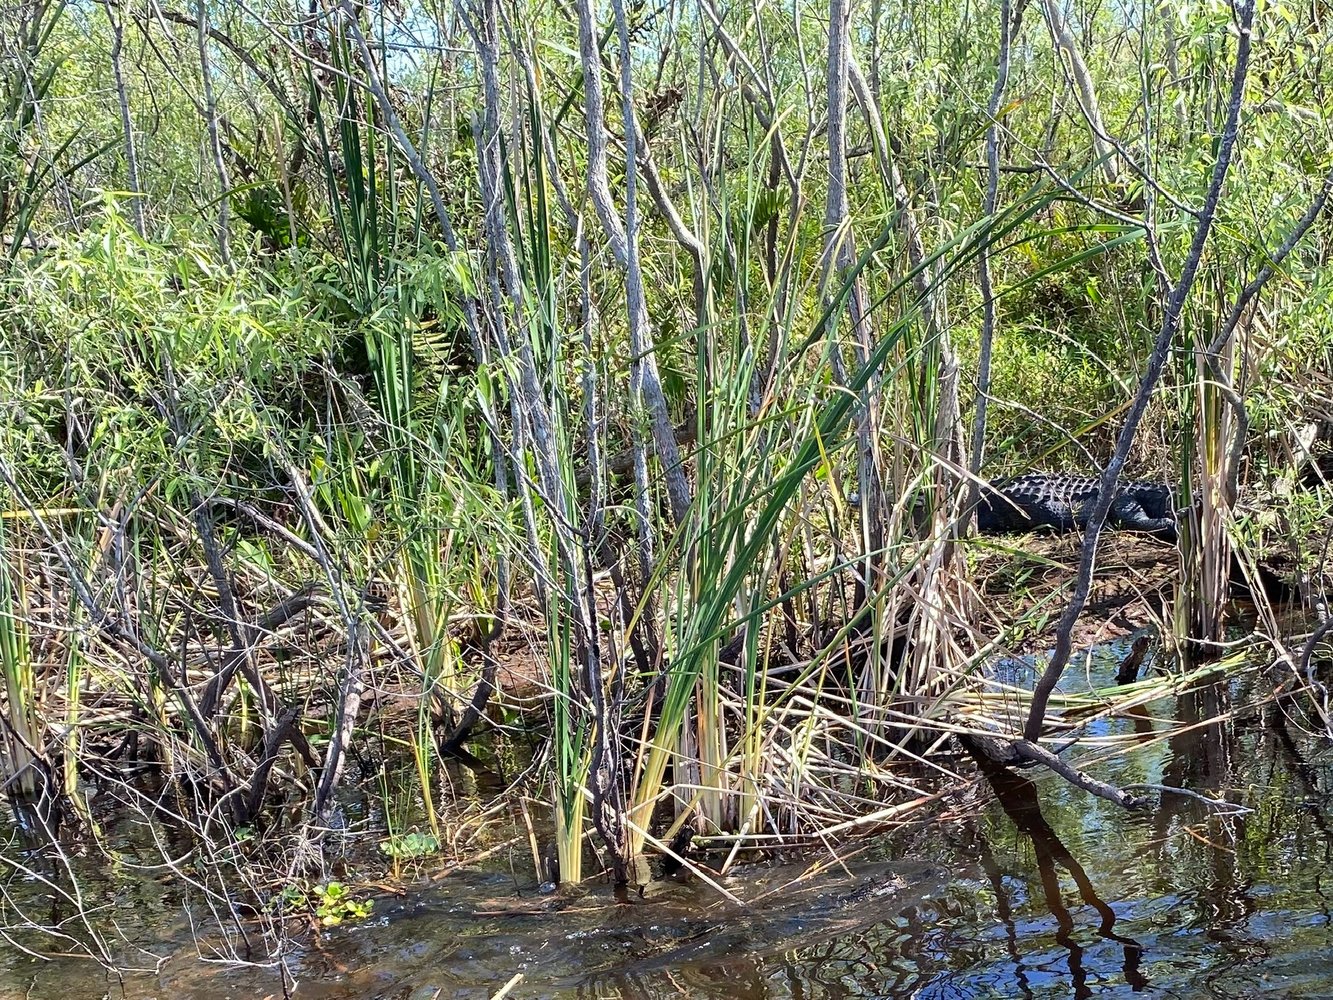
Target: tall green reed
{"x": 425, "y": 487}
{"x": 754, "y": 473}
{"x": 23, "y": 726}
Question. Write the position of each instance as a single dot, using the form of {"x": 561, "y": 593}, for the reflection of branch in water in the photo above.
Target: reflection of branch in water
{"x": 831, "y": 964}
{"x": 1005, "y": 913}
{"x": 1018, "y": 797}
{"x": 1202, "y": 758}
{"x": 1305, "y": 774}
{"x": 1201, "y": 752}
{"x": 1198, "y": 756}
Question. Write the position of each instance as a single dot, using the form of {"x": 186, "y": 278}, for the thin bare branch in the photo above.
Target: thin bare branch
{"x": 1157, "y": 361}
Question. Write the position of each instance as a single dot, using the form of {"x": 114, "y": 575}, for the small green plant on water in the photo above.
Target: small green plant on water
{"x": 410, "y": 846}
{"x": 332, "y": 903}
{"x": 291, "y": 898}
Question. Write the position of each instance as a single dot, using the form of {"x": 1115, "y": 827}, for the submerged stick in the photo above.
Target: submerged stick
{"x": 1220, "y": 805}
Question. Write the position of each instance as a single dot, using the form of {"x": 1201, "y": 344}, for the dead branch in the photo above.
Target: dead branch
{"x": 1024, "y": 753}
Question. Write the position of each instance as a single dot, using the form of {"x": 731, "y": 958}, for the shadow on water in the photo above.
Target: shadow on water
{"x": 1076, "y": 898}
{"x": 1018, "y": 798}
{"x": 1043, "y": 893}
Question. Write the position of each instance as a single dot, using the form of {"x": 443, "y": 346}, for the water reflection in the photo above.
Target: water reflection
{"x": 862, "y": 925}
{"x": 1017, "y": 796}
{"x": 1186, "y": 902}
{"x": 1044, "y": 893}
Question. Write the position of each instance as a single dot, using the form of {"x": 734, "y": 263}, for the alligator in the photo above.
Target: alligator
{"x": 1062, "y": 502}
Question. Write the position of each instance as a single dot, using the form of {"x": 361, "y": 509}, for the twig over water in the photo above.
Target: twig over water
{"x": 1220, "y": 805}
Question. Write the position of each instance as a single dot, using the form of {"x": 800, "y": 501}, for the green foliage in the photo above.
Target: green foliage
{"x": 122, "y": 326}
{"x": 333, "y": 903}
{"x": 149, "y": 392}
{"x": 262, "y": 209}
{"x": 410, "y": 846}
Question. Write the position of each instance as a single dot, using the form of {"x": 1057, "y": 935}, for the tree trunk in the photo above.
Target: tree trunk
{"x": 214, "y": 138}
{"x": 1175, "y": 305}
{"x": 1087, "y": 92}
{"x": 646, "y": 395}
{"x": 126, "y": 123}
{"x": 839, "y": 258}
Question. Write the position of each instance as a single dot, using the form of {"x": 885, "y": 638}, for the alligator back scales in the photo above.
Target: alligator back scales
{"x": 1062, "y": 502}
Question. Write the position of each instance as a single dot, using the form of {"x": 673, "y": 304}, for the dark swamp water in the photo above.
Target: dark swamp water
{"x": 1041, "y": 892}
